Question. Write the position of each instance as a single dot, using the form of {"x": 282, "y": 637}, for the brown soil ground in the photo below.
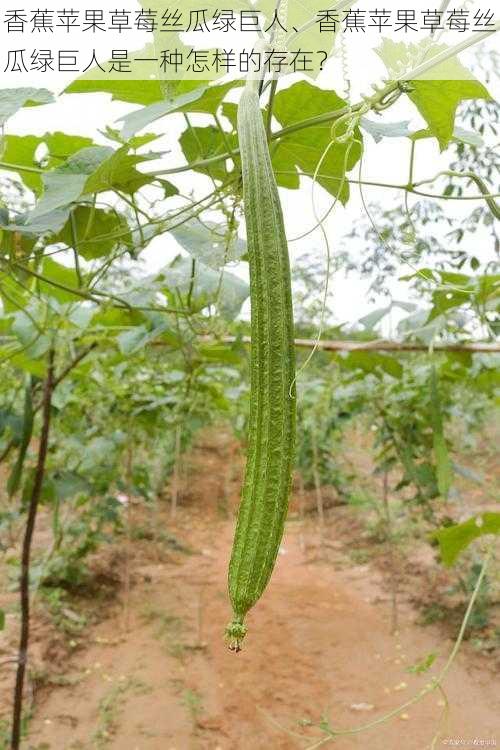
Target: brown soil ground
{"x": 155, "y": 674}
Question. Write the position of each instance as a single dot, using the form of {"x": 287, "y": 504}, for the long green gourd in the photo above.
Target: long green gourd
{"x": 271, "y": 434}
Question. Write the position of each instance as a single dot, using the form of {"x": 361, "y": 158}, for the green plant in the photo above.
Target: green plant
{"x": 324, "y": 411}
{"x": 110, "y": 708}
{"x": 193, "y": 701}
{"x": 271, "y": 434}
{"x": 63, "y": 615}
{"x": 169, "y": 629}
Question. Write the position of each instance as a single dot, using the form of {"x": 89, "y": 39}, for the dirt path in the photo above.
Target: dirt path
{"x": 318, "y": 645}
{"x": 155, "y": 674}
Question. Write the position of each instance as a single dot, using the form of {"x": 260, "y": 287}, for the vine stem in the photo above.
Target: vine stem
{"x": 26, "y": 556}
{"x": 21, "y": 168}
{"x": 434, "y": 684}
{"x": 409, "y": 188}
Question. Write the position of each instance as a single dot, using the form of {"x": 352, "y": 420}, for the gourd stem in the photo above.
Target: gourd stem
{"x": 254, "y": 78}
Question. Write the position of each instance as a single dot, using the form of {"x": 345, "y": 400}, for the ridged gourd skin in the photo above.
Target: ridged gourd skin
{"x": 271, "y": 433}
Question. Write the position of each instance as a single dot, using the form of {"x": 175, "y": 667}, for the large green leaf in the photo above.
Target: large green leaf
{"x": 203, "y": 99}
{"x": 35, "y": 343}
{"x": 209, "y": 243}
{"x": 207, "y": 287}
{"x": 212, "y": 97}
{"x": 118, "y": 172}
{"x": 91, "y": 170}
{"x": 438, "y": 93}
{"x": 136, "y": 339}
{"x": 142, "y": 118}
{"x": 304, "y": 148}
{"x": 287, "y": 175}
{"x": 63, "y": 145}
{"x": 200, "y": 143}
{"x": 136, "y": 92}
{"x": 12, "y": 100}
{"x": 114, "y": 318}
{"x": 48, "y": 223}
{"x": 230, "y": 110}
{"x": 453, "y": 290}
{"x": 144, "y": 88}
{"x": 95, "y": 232}
{"x": 67, "y": 183}
{"x": 458, "y": 290}
{"x": 20, "y": 151}
{"x": 60, "y": 280}
{"x": 13, "y": 295}
{"x": 453, "y": 540}
{"x": 35, "y": 367}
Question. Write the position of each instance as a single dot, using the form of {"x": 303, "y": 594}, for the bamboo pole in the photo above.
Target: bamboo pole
{"x": 377, "y": 345}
